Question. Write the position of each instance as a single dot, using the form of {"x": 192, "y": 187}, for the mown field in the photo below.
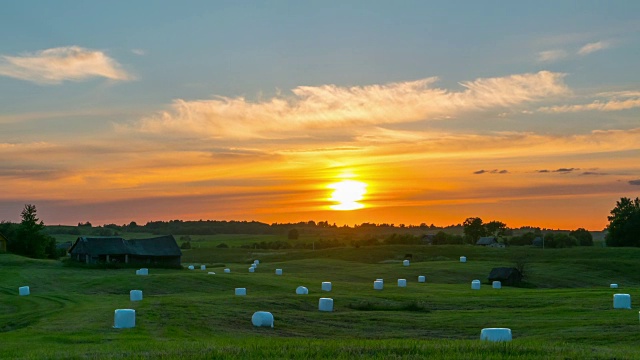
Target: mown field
{"x": 565, "y": 312}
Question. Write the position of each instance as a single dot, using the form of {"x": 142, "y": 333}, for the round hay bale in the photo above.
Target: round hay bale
{"x": 135, "y": 295}
{"x": 405, "y": 263}
{"x": 252, "y": 269}
{"x": 463, "y": 259}
{"x": 203, "y": 267}
{"x": 191, "y": 267}
{"x": 326, "y": 286}
{"x": 124, "y": 318}
{"x": 613, "y": 286}
{"x": 378, "y": 285}
{"x": 262, "y": 318}
{"x": 143, "y": 272}
{"x": 495, "y": 334}
{"x": 279, "y": 272}
{"x": 211, "y": 273}
{"x": 24, "y": 290}
{"x": 241, "y": 291}
{"x": 422, "y": 279}
{"x": 621, "y": 301}
{"x": 402, "y": 282}
{"x": 227, "y": 271}
{"x": 496, "y": 285}
{"x": 256, "y": 262}
{"x": 301, "y": 290}
{"x": 325, "y": 304}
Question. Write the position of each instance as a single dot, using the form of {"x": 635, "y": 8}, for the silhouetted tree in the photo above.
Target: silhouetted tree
{"x": 624, "y": 223}
{"x": 583, "y": 236}
{"x": 30, "y": 239}
{"x": 474, "y": 229}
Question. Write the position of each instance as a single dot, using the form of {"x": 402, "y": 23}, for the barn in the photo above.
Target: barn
{"x": 157, "y": 251}
{"x": 506, "y": 275}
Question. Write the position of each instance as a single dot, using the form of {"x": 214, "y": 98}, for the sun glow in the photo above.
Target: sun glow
{"x": 347, "y": 193}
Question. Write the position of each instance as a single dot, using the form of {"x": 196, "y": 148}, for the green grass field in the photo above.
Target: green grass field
{"x": 565, "y": 312}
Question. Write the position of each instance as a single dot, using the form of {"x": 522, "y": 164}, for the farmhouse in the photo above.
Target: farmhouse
{"x": 488, "y": 241}
{"x": 3, "y": 243}
{"x": 506, "y": 275}
{"x": 161, "y": 251}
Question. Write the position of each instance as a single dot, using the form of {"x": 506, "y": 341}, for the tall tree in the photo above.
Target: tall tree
{"x": 495, "y": 228}
{"x": 624, "y": 223}
{"x": 474, "y": 229}
{"x": 583, "y": 236}
{"x": 29, "y": 239}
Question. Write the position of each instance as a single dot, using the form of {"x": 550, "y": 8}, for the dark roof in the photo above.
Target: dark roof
{"x": 158, "y": 246}
{"x": 114, "y": 245}
{"x": 503, "y": 273}
{"x": 486, "y": 240}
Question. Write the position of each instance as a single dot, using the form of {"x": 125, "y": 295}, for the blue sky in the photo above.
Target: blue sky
{"x": 252, "y": 93}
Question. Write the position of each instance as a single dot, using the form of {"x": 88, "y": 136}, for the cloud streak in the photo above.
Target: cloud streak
{"x": 56, "y": 65}
{"x": 332, "y": 106}
{"x": 593, "y": 47}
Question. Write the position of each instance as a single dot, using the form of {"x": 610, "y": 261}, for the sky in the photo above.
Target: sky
{"x": 284, "y": 111}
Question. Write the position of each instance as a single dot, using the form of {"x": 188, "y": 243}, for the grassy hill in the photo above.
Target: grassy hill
{"x": 565, "y": 312}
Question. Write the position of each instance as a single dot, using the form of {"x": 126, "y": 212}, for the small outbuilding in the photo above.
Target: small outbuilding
{"x": 159, "y": 251}
{"x": 506, "y": 275}
{"x": 538, "y": 242}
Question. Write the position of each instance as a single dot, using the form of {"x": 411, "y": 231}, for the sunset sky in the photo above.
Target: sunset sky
{"x": 430, "y": 111}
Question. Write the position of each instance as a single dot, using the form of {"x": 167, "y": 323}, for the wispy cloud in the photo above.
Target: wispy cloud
{"x": 332, "y": 106}
{"x": 53, "y": 66}
{"x": 593, "y": 47}
{"x": 138, "y": 52}
{"x": 611, "y": 105}
{"x": 634, "y": 182}
{"x": 551, "y": 55}
{"x": 494, "y": 171}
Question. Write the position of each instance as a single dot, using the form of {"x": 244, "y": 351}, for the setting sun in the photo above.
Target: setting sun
{"x": 347, "y": 194}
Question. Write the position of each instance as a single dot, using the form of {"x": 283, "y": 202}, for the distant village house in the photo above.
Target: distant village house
{"x": 490, "y": 241}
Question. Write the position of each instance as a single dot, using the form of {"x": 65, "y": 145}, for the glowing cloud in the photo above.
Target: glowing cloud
{"x": 551, "y": 55}
{"x": 53, "y": 66}
{"x": 332, "y": 106}
{"x": 593, "y": 47}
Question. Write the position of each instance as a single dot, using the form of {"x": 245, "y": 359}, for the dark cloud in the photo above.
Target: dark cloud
{"x": 565, "y": 170}
{"x": 494, "y": 171}
{"x": 543, "y": 171}
{"x": 634, "y": 182}
{"x": 593, "y": 173}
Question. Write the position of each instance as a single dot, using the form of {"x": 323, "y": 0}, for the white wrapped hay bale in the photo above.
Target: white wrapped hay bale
{"x": 211, "y": 273}
{"x": 475, "y": 285}
{"x": 262, "y": 318}
{"x": 252, "y": 269}
{"x": 463, "y": 259}
{"x": 325, "y": 304}
{"x": 144, "y": 272}
{"x": 613, "y": 286}
{"x": 422, "y": 279}
{"x": 326, "y": 286}
{"x": 405, "y": 263}
{"x": 241, "y": 291}
{"x": 203, "y": 267}
{"x": 378, "y": 285}
{"x": 496, "y": 285}
{"x": 301, "y": 290}
{"x": 124, "y": 318}
{"x": 256, "y": 262}
{"x": 278, "y": 271}
{"x": 621, "y": 301}
{"x": 24, "y": 290}
{"x": 254, "y": 266}
{"x": 495, "y": 334}
{"x": 135, "y": 295}
{"x": 227, "y": 271}
{"x": 191, "y": 267}
{"x": 402, "y": 282}
{"x": 381, "y": 280}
